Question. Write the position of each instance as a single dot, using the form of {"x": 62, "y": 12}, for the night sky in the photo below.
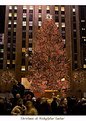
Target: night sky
{"x": 2, "y": 18}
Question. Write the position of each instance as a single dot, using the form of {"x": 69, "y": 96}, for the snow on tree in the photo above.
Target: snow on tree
{"x": 49, "y": 59}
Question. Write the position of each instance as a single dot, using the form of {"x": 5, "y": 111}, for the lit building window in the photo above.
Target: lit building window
{"x": 40, "y": 7}
{"x": 82, "y": 20}
{"x": 15, "y": 22}
{"x": 30, "y": 40}
{"x": 74, "y": 10}
{"x": 48, "y": 7}
{"x": 63, "y": 24}
{"x": 30, "y": 23}
{"x": 15, "y": 14}
{"x": 30, "y": 49}
{"x": 31, "y": 8}
{"x": 83, "y": 37}
{"x": 9, "y": 22}
{"x": 39, "y": 15}
{"x": 1, "y": 50}
{"x": 23, "y": 49}
{"x": 83, "y": 28}
{"x": 24, "y": 23}
{"x": 39, "y": 23}
{"x": 10, "y": 14}
{"x": 24, "y": 7}
{"x": 57, "y": 23}
{"x": 56, "y": 8}
{"x": 62, "y": 9}
{"x": 14, "y": 29}
{"x": 8, "y": 61}
{"x": 24, "y": 15}
{"x": 23, "y": 68}
{"x": 85, "y": 40}
{"x": 63, "y": 41}
{"x": 15, "y": 7}
{"x": 13, "y": 62}
{"x": 10, "y": 7}
{"x": 84, "y": 66}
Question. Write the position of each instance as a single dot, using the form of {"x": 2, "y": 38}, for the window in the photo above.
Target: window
{"x": 40, "y": 7}
{"x": 30, "y": 11}
{"x": 56, "y": 8}
{"x": 13, "y": 62}
{"x": 10, "y": 14}
{"x": 15, "y": 7}
{"x": 82, "y": 20}
{"x": 83, "y": 28}
{"x": 30, "y": 17}
{"x": 24, "y": 7}
{"x": 30, "y": 28}
{"x": 23, "y": 43}
{"x": 9, "y": 33}
{"x": 63, "y": 24}
{"x": 10, "y": 7}
{"x": 39, "y": 23}
{"x": 23, "y": 61}
{"x": 30, "y": 44}
{"x": 30, "y": 48}
{"x": 39, "y": 19}
{"x": 63, "y": 19}
{"x": 9, "y": 22}
{"x": 24, "y": 19}
{"x": 23, "y": 68}
{"x": 24, "y": 23}
{"x": 23, "y": 49}
{"x": 31, "y": 8}
{"x": 30, "y": 34}
{"x": 74, "y": 10}
{"x": 15, "y": 14}
{"x": 84, "y": 66}
{"x": 15, "y": 22}
{"x": 24, "y": 34}
{"x": 40, "y": 11}
{"x": 48, "y": 7}
{"x": 56, "y": 18}
{"x": 48, "y": 11}
{"x": 8, "y": 61}
{"x": 62, "y": 9}
{"x": 30, "y": 23}
{"x": 24, "y": 28}
{"x": 24, "y": 15}
{"x": 24, "y": 11}
{"x": 14, "y": 33}
{"x": 57, "y": 23}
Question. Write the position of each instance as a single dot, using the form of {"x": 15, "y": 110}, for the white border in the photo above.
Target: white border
{"x": 42, "y": 2}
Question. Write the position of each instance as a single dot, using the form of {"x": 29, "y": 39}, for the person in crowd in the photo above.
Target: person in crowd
{"x": 45, "y": 108}
{"x": 54, "y": 106}
{"x": 62, "y": 108}
{"x": 31, "y": 110}
{"x": 19, "y": 109}
{"x": 16, "y": 100}
{"x": 18, "y": 88}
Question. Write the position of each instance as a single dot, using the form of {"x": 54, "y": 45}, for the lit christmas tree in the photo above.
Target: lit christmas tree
{"x": 7, "y": 81}
{"x": 49, "y": 59}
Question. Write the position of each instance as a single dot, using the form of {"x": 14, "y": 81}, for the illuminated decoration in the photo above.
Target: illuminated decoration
{"x": 50, "y": 64}
{"x": 7, "y": 81}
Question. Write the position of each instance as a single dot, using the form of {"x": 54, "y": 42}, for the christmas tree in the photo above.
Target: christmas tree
{"x": 49, "y": 59}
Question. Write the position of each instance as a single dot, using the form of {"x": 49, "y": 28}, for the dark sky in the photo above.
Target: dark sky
{"x": 2, "y": 18}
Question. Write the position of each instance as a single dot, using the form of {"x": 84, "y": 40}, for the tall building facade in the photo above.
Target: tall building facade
{"x": 1, "y": 49}
{"x": 21, "y": 25}
{"x": 82, "y": 11}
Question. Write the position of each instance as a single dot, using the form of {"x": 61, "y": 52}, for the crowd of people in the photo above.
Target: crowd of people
{"x": 24, "y": 102}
